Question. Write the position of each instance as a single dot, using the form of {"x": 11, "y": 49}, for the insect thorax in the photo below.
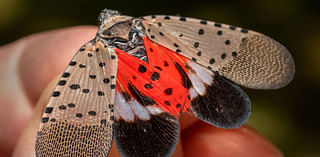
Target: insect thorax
{"x": 133, "y": 44}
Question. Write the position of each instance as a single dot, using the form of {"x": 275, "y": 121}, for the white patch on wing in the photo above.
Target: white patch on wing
{"x": 204, "y": 74}
{"x": 124, "y": 108}
{"x": 139, "y": 110}
{"x": 154, "y": 110}
{"x": 197, "y": 83}
{"x": 193, "y": 93}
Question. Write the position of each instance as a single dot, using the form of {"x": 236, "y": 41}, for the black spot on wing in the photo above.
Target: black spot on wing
{"x": 244, "y": 31}
{"x": 55, "y": 93}
{"x": 100, "y": 93}
{"x": 71, "y": 105}
{"x": 62, "y": 107}
{"x": 142, "y": 69}
{"x": 234, "y": 53}
{"x": 92, "y": 113}
{"x": 155, "y": 76}
{"x": 196, "y": 44}
{"x": 74, "y": 86}
{"x": 79, "y": 115}
{"x": 199, "y": 53}
{"x": 62, "y": 82}
{"x": 223, "y": 56}
{"x": 82, "y": 48}
{"x": 218, "y": 25}
{"x": 106, "y": 80}
{"x": 227, "y": 42}
{"x": 183, "y": 19}
{"x": 223, "y": 105}
{"x": 168, "y": 91}
{"x": 201, "y": 32}
{"x": 44, "y": 119}
{"x": 65, "y": 75}
{"x": 212, "y": 61}
{"x": 231, "y": 27}
{"x": 113, "y": 86}
{"x": 82, "y": 66}
{"x": 155, "y": 137}
{"x": 167, "y": 103}
{"x": 48, "y": 110}
{"x": 72, "y": 63}
{"x": 92, "y": 76}
{"x": 85, "y": 90}
{"x": 204, "y": 22}
{"x": 102, "y": 64}
{"x": 165, "y": 63}
{"x": 148, "y": 86}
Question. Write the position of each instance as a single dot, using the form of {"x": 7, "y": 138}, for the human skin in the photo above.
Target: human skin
{"x": 29, "y": 69}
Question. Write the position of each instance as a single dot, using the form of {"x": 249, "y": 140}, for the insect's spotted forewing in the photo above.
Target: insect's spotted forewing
{"x": 78, "y": 118}
{"x": 246, "y": 57}
{"x": 139, "y": 74}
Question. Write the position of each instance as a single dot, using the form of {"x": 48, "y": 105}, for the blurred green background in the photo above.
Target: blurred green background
{"x": 289, "y": 117}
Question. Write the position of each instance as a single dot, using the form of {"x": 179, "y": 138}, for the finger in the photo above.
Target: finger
{"x": 205, "y": 140}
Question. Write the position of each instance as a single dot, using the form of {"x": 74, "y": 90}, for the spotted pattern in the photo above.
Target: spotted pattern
{"x": 217, "y": 46}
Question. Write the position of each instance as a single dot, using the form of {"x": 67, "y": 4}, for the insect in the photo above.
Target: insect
{"x": 133, "y": 80}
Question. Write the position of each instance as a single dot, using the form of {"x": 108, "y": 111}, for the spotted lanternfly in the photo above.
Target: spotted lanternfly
{"x": 134, "y": 79}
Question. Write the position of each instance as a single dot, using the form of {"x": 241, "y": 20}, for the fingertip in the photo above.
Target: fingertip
{"x": 205, "y": 140}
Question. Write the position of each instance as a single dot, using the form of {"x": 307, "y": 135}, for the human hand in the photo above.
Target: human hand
{"x": 28, "y": 65}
